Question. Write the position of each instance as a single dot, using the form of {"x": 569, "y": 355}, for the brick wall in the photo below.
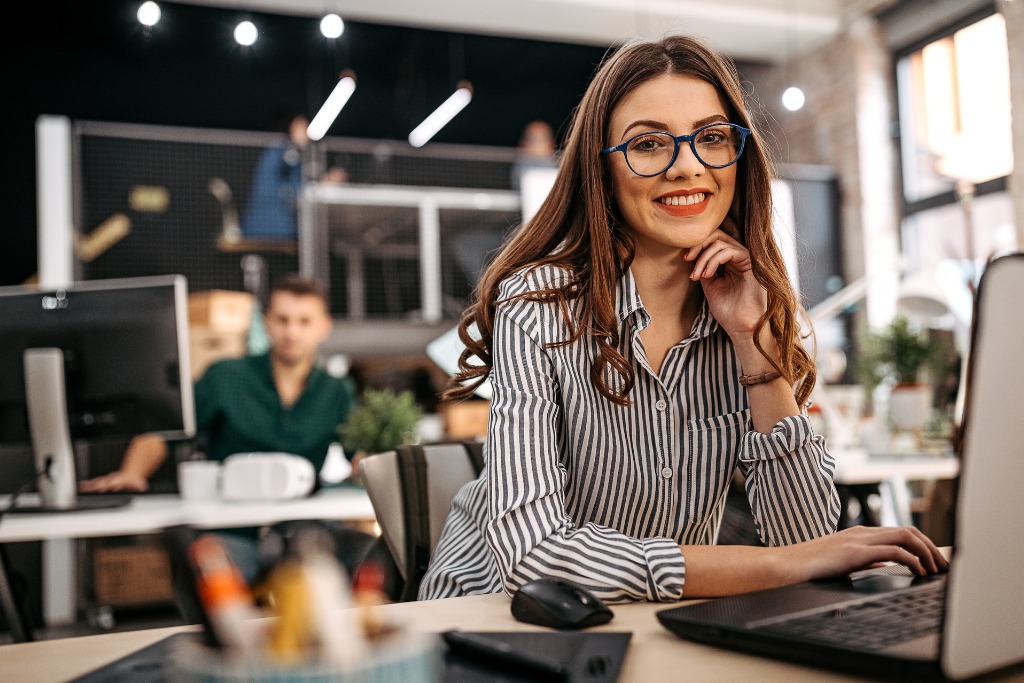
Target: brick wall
{"x": 845, "y": 125}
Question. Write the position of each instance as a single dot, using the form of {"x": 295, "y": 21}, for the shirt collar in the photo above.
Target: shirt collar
{"x": 316, "y": 374}
{"x": 627, "y": 298}
{"x": 628, "y": 304}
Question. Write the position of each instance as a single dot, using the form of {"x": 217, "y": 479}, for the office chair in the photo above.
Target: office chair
{"x": 411, "y": 489}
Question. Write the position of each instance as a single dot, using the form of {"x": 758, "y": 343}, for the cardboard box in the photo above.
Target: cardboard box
{"x": 221, "y": 310}
{"x": 467, "y": 419}
{"x": 132, "y": 575}
{"x": 206, "y": 346}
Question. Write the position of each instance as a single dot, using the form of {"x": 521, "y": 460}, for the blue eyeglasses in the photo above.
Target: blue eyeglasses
{"x": 716, "y": 146}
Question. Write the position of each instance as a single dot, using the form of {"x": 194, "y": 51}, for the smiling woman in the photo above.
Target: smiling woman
{"x": 640, "y": 337}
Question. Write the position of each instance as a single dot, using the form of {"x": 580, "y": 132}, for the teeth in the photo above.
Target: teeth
{"x": 683, "y": 200}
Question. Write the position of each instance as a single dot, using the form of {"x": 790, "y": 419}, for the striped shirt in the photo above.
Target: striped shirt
{"x": 578, "y": 487}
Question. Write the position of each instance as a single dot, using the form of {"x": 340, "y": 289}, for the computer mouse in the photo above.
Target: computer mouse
{"x": 558, "y": 603}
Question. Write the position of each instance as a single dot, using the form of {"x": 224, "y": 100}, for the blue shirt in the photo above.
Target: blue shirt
{"x": 271, "y": 211}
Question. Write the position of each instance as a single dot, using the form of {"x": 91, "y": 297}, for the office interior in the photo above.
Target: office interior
{"x": 895, "y": 172}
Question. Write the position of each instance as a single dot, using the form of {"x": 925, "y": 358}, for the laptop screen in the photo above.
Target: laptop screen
{"x": 985, "y": 602}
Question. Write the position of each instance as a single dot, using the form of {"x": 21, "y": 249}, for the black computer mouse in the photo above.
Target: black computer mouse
{"x": 558, "y": 603}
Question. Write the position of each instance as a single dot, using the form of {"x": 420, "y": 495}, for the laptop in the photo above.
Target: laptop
{"x": 977, "y": 620}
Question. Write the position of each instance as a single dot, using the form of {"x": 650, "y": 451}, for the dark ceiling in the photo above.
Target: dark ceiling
{"x": 97, "y": 62}
{"x": 94, "y": 61}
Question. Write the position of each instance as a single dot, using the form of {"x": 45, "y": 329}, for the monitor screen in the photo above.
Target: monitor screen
{"x": 118, "y": 347}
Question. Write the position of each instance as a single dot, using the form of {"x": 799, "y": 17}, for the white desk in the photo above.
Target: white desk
{"x": 892, "y": 472}
{"x": 654, "y": 653}
{"x": 151, "y": 513}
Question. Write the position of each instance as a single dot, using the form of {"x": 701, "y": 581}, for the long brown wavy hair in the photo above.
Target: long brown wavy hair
{"x": 579, "y": 228}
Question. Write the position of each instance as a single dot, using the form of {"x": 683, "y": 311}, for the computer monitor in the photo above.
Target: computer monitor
{"x": 96, "y": 359}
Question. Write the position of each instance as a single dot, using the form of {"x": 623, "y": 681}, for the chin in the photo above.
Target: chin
{"x": 289, "y": 357}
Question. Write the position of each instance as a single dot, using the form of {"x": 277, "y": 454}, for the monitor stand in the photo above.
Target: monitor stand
{"x": 46, "y": 401}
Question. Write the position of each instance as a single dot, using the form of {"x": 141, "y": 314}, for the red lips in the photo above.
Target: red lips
{"x": 683, "y": 210}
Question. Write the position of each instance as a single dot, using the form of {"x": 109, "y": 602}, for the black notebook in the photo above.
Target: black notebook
{"x": 590, "y": 657}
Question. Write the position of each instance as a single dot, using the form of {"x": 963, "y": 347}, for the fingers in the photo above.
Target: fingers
{"x": 912, "y": 540}
{"x": 718, "y": 235}
{"x": 717, "y": 255}
{"x": 905, "y": 545}
{"x": 712, "y": 252}
{"x": 930, "y": 554}
{"x": 91, "y": 485}
{"x": 108, "y": 483}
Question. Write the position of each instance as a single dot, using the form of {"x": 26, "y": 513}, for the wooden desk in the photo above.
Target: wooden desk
{"x": 654, "y": 653}
{"x": 151, "y": 513}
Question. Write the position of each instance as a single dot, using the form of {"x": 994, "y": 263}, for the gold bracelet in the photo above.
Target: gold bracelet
{"x": 748, "y": 380}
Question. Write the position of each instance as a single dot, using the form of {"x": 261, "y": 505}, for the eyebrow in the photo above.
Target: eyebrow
{"x": 658, "y": 125}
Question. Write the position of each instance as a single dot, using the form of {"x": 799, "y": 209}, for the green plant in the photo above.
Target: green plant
{"x": 897, "y": 353}
{"x": 382, "y": 420}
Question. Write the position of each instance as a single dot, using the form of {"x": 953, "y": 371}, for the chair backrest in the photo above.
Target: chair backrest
{"x": 411, "y": 489}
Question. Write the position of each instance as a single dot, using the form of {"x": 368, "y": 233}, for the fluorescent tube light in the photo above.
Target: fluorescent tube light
{"x": 442, "y": 115}
{"x": 331, "y": 107}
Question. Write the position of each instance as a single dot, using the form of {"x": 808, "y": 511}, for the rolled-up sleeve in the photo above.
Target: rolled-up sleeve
{"x": 789, "y": 483}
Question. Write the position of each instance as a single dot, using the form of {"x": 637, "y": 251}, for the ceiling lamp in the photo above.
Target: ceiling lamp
{"x": 246, "y": 33}
{"x": 442, "y": 115}
{"x": 332, "y": 106}
{"x": 148, "y": 14}
{"x": 331, "y": 26}
{"x": 793, "y": 98}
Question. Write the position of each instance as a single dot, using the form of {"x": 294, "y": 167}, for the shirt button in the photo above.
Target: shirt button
{"x": 666, "y": 472}
{"x": 661, "y": 405}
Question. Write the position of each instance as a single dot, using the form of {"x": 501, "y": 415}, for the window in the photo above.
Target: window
{"x": 955, "y": 110}
{"x": 955, "y": 147}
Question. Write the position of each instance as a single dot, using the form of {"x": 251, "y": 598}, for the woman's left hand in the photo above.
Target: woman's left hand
{"x": 736, "y": 298}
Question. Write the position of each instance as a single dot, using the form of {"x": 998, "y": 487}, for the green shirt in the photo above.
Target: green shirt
{"x": 239, "y": 411}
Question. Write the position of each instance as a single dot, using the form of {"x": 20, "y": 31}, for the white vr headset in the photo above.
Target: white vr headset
{"x": 266, "y": 476}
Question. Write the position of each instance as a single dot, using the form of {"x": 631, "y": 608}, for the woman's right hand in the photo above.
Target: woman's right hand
{"x": 118, "y": 480}
{"x": 719, "y": 570}
{"x": 860, "y": 547}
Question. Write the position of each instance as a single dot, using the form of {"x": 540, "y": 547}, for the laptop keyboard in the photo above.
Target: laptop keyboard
{"x": 872, "y": 625}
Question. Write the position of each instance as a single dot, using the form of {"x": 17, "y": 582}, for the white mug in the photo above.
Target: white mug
{"x": 199, "y": 479}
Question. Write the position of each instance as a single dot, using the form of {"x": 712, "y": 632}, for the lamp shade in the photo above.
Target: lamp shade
{"x": 920, "y": 296}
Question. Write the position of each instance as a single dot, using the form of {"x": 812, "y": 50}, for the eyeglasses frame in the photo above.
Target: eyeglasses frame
{"x": 744, "y": 133}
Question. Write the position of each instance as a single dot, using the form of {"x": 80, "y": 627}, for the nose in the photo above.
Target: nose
{"x": 686, "y": 164}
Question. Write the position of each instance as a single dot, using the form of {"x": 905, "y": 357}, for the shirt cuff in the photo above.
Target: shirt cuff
{"x": 787, "y": 436}
{"x": 666, "y": 569}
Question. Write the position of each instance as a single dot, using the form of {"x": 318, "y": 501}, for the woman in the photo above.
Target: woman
{"x": 641, "y": 340}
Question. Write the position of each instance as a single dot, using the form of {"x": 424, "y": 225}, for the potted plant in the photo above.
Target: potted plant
{"x": 898, "y": 355}
{"x": 382, "y": 420}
